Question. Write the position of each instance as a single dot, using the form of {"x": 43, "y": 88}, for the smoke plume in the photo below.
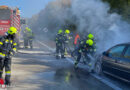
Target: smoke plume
{"x": 93, "y": 17}
{"x": 89, "y": 16}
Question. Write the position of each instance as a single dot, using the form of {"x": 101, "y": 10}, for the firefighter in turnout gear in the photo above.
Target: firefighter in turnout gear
{"x": 59, "y": 44}
{"x": 7, "y": 49}
{"x": 87, "y": 47}
{"x": 66, "y": 40}
{"x": 92, "y": 49}
{"x": 28, "y": 37}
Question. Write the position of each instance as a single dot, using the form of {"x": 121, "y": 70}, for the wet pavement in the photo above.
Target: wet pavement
{"x": 34, "y": 70}
{"x": 62, "y": 79}
{"x": 58, "y": 75}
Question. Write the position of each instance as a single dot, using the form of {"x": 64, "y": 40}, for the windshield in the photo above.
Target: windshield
{"x": 4, "y": 14}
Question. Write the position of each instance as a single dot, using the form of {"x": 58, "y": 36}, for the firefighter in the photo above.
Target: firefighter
{"x": 66, "y": 40}
{"x": 76, "y": 44}
{"x": 59, "y": 44}
{"x": 7, "y": 49}
{"x": 76, "y": 40}
{"x": 84, "y": 47}
{"x": 28, "y": 37}
{"x": 93, "y": 50}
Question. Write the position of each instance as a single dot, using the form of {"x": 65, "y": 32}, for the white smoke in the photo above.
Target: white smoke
{"x": 93, "y": 17}
{"x": 90, "y": 16}
{"x": 52, "y": 17}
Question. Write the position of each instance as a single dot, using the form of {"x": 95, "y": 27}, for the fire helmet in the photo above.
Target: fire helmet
{"x": 89, "y": 42}
{"x": 60, "y": 31}
{"x": 67, "y": 31}
{"x": 12, "y": 30}
{"x": 90, "y": 36}
{"x": 28, "y": 29}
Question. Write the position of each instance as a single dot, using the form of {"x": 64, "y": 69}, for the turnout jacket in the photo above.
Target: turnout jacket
{"x": 7, "y": 45}
{"x": 83, "y": 47}
{"x": 59, "y": 39}
{"x": 28, "y": 34}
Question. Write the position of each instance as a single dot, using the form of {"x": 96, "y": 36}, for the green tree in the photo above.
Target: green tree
{"x": 121, "y": 7}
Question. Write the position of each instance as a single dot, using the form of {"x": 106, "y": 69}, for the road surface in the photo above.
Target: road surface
{"x": 38, "y": 69}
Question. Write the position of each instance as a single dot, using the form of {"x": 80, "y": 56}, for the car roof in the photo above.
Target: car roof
{"x": 124, "y": 43}
{"x": 119, "y": 45}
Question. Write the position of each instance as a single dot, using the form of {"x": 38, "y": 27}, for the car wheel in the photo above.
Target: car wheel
{"x": 98, "y": 68}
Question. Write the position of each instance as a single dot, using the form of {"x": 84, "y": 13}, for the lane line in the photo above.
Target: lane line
{"x": 110, "y": 84}
{"x": 46, "y": 46}
{"x": 70, "y": 60}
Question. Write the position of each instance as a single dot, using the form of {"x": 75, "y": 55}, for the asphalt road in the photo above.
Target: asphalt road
{"x": 114, "y": 83}
{"x": 37, "y": 70}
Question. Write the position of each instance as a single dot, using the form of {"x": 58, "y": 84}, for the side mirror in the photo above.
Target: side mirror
{"x": 105, "y": 54}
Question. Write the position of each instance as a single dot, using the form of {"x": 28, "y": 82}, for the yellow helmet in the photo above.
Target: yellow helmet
{"x": 89, "y": 42}
{"x": 90, "y": 36}
{"x": 60, "y": 31}
{"x": 12, "y": 30}
{"x": 67, "y": 31}
{"x": 28, "y": 29}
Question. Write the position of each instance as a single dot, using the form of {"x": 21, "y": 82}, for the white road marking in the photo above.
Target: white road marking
{"x": 110, "y": 84}
{"x": 51, "y": 49}
{"x": 70, "y": 60}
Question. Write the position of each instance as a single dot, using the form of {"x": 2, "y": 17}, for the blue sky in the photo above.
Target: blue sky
{"x": 27, "y": 7}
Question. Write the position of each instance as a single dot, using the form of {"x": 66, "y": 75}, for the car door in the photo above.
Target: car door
{"x": 109, "y": 61}
{"x": 123, "y": 65}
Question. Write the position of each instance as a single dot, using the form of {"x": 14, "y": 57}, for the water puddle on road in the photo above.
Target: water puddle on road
{"x": 63, "y": 79}
{"x": 46, "y": 75}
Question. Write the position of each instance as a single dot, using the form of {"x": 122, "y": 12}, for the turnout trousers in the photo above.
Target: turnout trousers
{"x": 6, "y": 63}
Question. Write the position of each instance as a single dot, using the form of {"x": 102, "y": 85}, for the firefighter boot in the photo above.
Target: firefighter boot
{"x": 57, "y": 57}
{"x": 75, "y": 65}
{"x": 62, "y": 56}
{"x": 7, "y": 80}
